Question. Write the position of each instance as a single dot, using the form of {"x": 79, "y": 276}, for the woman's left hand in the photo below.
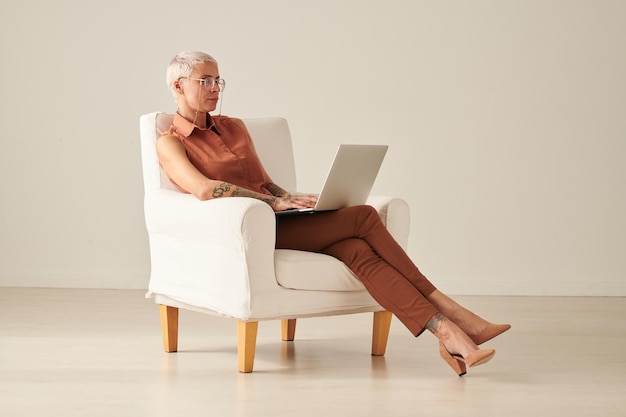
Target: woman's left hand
{"x": 289, "y": 201}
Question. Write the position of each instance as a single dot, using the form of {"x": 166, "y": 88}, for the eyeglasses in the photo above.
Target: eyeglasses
{"x": 210, "y": 82}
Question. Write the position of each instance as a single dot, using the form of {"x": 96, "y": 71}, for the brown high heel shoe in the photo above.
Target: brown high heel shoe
{"x": 489, "y": 332}
{"x": 459, "y": 364}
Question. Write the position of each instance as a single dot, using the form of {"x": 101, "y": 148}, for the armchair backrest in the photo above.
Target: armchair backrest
{"x": 270, "y": 135}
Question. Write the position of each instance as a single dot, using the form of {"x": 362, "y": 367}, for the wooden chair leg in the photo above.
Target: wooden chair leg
{"x": 169, "y": 327}
{"x": 380, "y": 333}
{"x": 246, "y": 345}
{"x": 288, "y": 328}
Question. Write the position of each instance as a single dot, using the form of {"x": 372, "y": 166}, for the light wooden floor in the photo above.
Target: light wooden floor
{"x": 98, "y": 353}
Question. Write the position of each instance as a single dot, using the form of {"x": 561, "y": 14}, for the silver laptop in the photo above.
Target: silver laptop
{"x": 349, "y": 180}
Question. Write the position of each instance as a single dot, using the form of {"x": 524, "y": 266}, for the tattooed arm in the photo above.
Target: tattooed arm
{"x": 275, "y": 189}
{"x": 220, "y": 189}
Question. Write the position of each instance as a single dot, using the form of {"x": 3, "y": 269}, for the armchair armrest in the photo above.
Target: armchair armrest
{"x": 210, "y": 254}
{"x": 182, "y": 215}
{"x": 395, "y": 214}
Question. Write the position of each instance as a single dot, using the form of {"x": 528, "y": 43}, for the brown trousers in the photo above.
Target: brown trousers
{"x": 357, "y": 236}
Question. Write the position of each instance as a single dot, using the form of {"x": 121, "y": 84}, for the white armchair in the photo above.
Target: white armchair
{"x": 218, "y": 256}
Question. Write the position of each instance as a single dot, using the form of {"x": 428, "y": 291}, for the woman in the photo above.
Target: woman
{"x": 214, "y": 157}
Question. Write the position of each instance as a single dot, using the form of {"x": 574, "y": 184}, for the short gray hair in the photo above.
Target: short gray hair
{"x": 182, "y": 65}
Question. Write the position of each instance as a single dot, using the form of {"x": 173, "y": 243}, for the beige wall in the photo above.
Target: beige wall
{"x": 506, "y": 122}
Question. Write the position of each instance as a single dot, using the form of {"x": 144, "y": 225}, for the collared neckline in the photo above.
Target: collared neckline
{"x": 185, "y": 127}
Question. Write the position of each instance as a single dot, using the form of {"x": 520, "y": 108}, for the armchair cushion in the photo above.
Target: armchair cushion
{"x": 300, "y": 270}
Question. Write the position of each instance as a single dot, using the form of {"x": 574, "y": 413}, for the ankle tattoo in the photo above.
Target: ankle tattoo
{"x": 435, "y": 322}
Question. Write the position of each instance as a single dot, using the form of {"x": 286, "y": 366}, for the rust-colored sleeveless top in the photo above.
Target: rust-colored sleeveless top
{"x": 222, "y": 152}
